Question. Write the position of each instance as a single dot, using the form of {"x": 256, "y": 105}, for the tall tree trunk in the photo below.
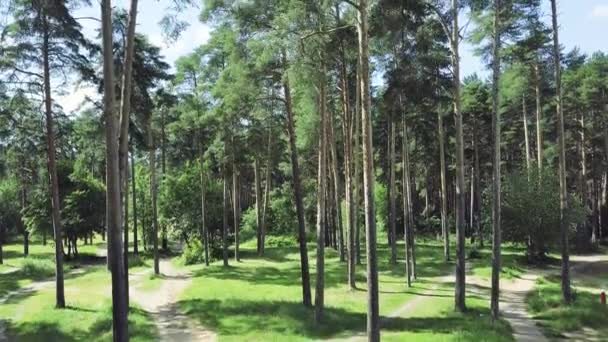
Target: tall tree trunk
{"x": 336, "y": 180}
{"x": 124, "y": 119}
{"x": 119, "y": 291}
{"x": 444, "y": 201}
{"x": 152, "y": 152}
{"x": 526, "y": 137}
{"x": 225, "y": 207}
{"x": 134, "y": 191}
{"x": 163, "y": 169}
{"x": 477, "y": 183}
{"x": 406, "y": 204}
{"x": 347, "y": 129}
{"x": 563, "y": 189}
{"x": 297, "y": 188}
{"x": 496, "y": 196}
{"x": 373, "y": 317}
{"x": 392, "y": 205}
{"x": 204, "y": 230}
{"x": 266, "y": 193}
{"x": 52, "y": 169}
{"x": 357, "y": 166}
{"x": 236, "y": 207}
{"x": 258, "y": 203}
{"x": 539, "y": 114}
{"x": 460, "y": 288}
{"x": 321, "y": 196}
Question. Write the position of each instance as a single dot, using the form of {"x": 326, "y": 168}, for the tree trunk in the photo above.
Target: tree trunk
{"x": 123, "y": 149}
{"x": 357, "y": 166}
{"x": 444, "y": 201}
{"x": 526, "y": 137}
{"x": 266, "y": 193}
{"x": 134, "y": 191}
{"x": 391, "y": 185}
{"x": 258, "y": 204}
{"x": 52, "y": 169}
{"x": 563, "y": 193}
{"x": 151, "y": 146}
{"x": 539, "y": 114}
{"x": 336, "y": 180}
{"x": 496, "y": 195}
{"x": 225, "y": 207}
{"x": 406, "y": 204}
{"x": 321, "y": 196}
{"x": 460, "y": 184}
{"x": 236, "y": 206}
{"x": 163, "y": 169}
{"x": 297, "y": 189}
{"x": 477, "y": 183}
{"x": 373, "y": 317}
{"x": 119, "y": 291}
{"x": 204, "y": 231}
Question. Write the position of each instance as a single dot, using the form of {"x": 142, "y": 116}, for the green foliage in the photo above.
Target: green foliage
{"x": 281, "y": 241}
{"x": 37, "y": 268}
{"x": 531, "y": 210}
{"x": 194, "y": 253}
{"x": 381, "y": 200}
{"x": 9, "y": 206}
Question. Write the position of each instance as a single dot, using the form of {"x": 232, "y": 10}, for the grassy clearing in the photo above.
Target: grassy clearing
{"x": 514, "y": 263}
{"x": 259, "y": 299}
{"x": 88, "y": 317}
{"x": 545, "y": 302}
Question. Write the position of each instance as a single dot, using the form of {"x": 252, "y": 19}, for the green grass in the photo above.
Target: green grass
{"x": 513, "y": 262}
{"x": 545, "y": 302}
{"x": 259, "y": 299}
{"x": 87, "y": 317}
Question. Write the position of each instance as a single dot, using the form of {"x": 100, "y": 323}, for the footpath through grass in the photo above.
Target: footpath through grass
{"x": 32, "y": 316}
{"x": 259, "y": 299}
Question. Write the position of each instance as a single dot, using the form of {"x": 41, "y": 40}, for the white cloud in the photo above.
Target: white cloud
{"x": 600, "y": 11}
{"x": 73, "y": 101}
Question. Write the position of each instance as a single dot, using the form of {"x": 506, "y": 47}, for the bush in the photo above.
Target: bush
{"x": 35, "y": 268}
{"x": 531, "y": 211}
{"x": 194, "y": 253}
{"x": 281, "y": 241}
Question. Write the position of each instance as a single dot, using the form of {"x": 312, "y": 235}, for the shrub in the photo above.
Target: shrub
{"x": 281, "y": 241}
{"x": 531, "y": 211}
{"x": 35, "y": 268}
{"x": 194, "y": 253}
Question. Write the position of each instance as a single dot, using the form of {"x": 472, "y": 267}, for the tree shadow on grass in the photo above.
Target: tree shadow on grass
{"x": 234, "y": 317}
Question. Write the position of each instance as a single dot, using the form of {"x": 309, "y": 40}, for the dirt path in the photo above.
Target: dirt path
{"x": 161, "y": 303}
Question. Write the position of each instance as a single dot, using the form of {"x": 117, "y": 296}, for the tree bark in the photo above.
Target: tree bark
{"x": 123, "y": 149}
{"x": 496, "y": 187}
{"x": 258, "y": 203}
{"x": 392, "y": 205}
{"x": 152, "y": 153}
{"x": 52, "y": 169}
{"x": 236, "y": 207}
{"x": 266, "y": 192}
{"x": 406, "y": 205}
{"x": 563, "y": 190}
{"x": 373, "y": 317}
{"x": 204, "y": 231}
{"x": 119, "y": 291}
{"x": 163, "y": 169}
{"x": 460, "y": 288}
{"x": 321, "y": 196}
{"x": 134, "y": 191}
{"x": 297, "y": 188}
{"x": 526, "y": 137}
{"x": 226, "y": 207}
{"x": 477, "y": 183}
{"x": 336, "y": 182}
{"x": 539, "y": 114}
{"x": 444, "y": 200}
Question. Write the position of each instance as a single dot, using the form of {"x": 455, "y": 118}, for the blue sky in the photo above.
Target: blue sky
{"x": 582, "y": 23}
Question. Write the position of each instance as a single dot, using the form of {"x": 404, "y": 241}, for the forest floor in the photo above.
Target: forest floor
{"x": 259, "y": 299}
